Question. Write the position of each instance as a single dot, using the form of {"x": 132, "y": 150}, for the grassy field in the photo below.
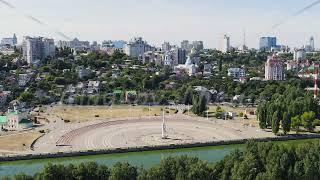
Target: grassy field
{"x": 18, "y": 142}
{"x": 81, "y": 114}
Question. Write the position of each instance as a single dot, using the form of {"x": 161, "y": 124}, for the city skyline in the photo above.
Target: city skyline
{"x": 171, "y": 21}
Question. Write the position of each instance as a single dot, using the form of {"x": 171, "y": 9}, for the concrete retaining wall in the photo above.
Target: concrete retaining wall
{"x": 152, "y": 148}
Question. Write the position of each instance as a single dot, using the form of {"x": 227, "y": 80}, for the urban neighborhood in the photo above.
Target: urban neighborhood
{"x": 133, "y": 107}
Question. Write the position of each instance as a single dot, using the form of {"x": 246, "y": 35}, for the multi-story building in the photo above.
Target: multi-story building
{"x": 166, "y": 47}
{"x": 310, "y": 45}
{"x": 236, "y": 73}
{"x": 23, "y": 80}
{"x": 198, "y": 45}
{"x": 179, "y": 55}
{"x": 119, "y": 44}
{"x": 10, "y": 41}
{"x": 299, "y": 54}
{"x": 17, "y": 120}
{"x": 108, "y": 47}
{"x": 32, "y": 49}
{"x": 185, "y": 45}
{"x": 137, "y": 47}
{"x": 83, "y": 72}
{"x": 226, "y": 44}
{"x": 6, "y": 49}
{"x": 93, "y": 87}
{"x": 37, "y": 48}
{"x": 274, "y": 69}
{"x": 49, "y": 49}
{"x": 63, "y": 44}
{"x": 168, "y": 60}
{"x": 156, "y": 57}
{"x": 95, "y": 46}
{"x": 74, "y": 44}
{"x": 266, "y": 43}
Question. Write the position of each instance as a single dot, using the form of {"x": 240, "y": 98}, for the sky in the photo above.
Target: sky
{"x": 164, "y": 20}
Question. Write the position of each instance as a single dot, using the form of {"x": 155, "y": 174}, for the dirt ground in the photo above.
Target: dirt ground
{"x": 18, "y": 142}
{"x": 76, "y": 114}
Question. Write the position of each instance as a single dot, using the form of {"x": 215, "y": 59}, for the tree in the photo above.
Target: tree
{"x": 188, "y": 96}
{"x": 296, "y": 123}
{"x": 199, "y": 105}
{"x": 275, "y": 122}
{"x": 103, "y": 172}
{"x": 220, "y": 65}
{"x": 203, "y": 105}
{"x": 195, "y": 107}
{"x": 307, "y": 119}
{"x": 26, "y": 97}
{"x": 123, "y": 171}
{"x": 286, "y": 123}
{"x": 22, "y": 177}
{"x": 219, "y": 109}
{"x": 262, "y": 115}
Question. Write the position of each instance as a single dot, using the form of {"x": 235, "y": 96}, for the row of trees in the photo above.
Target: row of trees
{"x": 199, "y": 105}
{"x": 289, "y": 109}
{"x": 198, "y": 102}
{"x": 257, "y": 161}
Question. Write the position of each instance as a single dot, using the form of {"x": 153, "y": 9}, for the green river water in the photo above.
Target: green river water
{"x": 146, "y": 159}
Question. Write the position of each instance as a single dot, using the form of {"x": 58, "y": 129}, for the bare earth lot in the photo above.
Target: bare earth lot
{"x": 17, "y": 143}
{"x": 82, "y": 114}
{"x": 125, "y": 126}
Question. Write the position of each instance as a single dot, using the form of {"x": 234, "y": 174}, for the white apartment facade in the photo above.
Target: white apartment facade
{"x": 236, "y": 73}
{"x": 137, "y": 47}
{"x": 226, "y": 44}
{"x": 37, "y": 48}
{"x": 274, "y": 69}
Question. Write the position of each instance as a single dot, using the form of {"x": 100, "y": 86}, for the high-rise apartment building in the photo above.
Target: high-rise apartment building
{"x": 312, "y": 43}
{"x": 49, "y": 49}
{"x": 166, "y": 47}
{"x": 37, "y": 48}
{"x": 309, "y": 47}
{"x": 186, "y": 45}
{"x": 74, "y": 44}
{"x": 10, "y": 41}
{"x": 226, "y": 44}
{"x": 198, "y": 45}
{"x": 137, "y": 47}
{"x": 299, "y": 54}
{"x": 179, "y": 55}
{"x": 274, "y": 69}
{"x": 266, "y": 43}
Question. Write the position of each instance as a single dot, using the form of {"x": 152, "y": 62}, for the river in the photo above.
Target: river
{"x": 146, "y": 159}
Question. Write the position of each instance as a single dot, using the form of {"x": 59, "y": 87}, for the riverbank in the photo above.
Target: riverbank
{"x": 147, "y": 159}
{"x": 152, "y": 148}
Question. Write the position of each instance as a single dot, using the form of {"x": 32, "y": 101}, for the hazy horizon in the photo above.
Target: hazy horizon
{"x": 163, "y": 20}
